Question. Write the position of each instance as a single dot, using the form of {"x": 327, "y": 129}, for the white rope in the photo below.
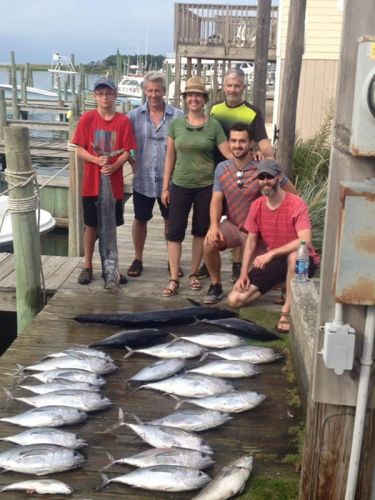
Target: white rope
{"x": 53, "y": 176}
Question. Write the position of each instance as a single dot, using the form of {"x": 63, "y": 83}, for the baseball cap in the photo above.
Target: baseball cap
{"x": 105, "y": 82}
{"x": 270, "y": 167}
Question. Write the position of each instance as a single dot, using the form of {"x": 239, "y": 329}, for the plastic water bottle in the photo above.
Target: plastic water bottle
{"x": 302, "y": 263}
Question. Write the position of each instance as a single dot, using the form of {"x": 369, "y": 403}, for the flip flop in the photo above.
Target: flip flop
{"x": 283, "y": 320}
{"x": 135, "y": 268}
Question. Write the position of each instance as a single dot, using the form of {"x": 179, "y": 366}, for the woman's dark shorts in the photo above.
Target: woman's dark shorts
{"x": 90, "y": 211}
{"x": 144, "y": 205}
{"x": 181, "y": 201}
{"x": 274, "y": 273}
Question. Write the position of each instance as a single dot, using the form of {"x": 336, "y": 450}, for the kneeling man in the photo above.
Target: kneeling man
{"x": 281, "y": 220}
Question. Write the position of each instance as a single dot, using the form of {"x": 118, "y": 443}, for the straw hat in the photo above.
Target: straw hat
{"x": 195, "y": 84}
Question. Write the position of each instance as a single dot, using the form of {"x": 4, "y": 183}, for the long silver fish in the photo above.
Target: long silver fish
{"x": 159, "y": 370}
{"x": 48, "y": 416}
{"x": 162, "y": 478}
{"x": 40, "y": 459}
{"x": 193, "y": 419}
{"x": 90, "y": 364}
{"x": 230, "y": 402}
{"x": 40, "y": 486}
{"x": 166, "y": 456}
{"x": 227, "y": 369}
{"x": 82, "y": 400}
{"x": 47, "y": 435}
{"x": 229, "y": 482}
{"x": 68, "y": 374}
{"x": 251, "y": 354}
{"x": 180, "y": 349}
{"x": 191, "y": 385}
{"x": 59, "y": 385}
{"x": 215, "y": 340}
{"x": 80, "y": 351}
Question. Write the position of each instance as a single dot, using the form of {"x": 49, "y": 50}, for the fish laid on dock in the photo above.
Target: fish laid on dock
{"x": 48, "y": 416}
{"x": 251, "y": 354}
{"x": 180, "y": 349}
{"x": 229, "y": 402}
{"x": 227, "y": 369}
{"x": 229, "y": 482}
{"x": 80, "y": 351}
{"x": 47, "y": 435}
{"x": 60, "y": 385}
{"x": 71, "y": 374}
{"x": 240, "y": 326}
{"x": 40, "y": 486}
{"x": 193, "y": 420}
{"x": 88, "y": 363}
{"x": 214, "y": 340}
{"x": 132, "y": 338}
{"x": 162, "y": 317}
{"x": 159, "y": 370}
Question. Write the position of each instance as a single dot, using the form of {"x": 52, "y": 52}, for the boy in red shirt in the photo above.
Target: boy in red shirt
{"x": 98, "y": 131}
{"x": 282, "y": 220}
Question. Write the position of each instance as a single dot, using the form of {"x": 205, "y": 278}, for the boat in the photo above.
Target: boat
{"x": 46, "y": 223}
{"x": 131, "y": 86}
{"x": 31, "y": 91}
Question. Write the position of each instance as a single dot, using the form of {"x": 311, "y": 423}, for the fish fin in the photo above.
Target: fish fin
{"x": 179, "y": 400}
{"x": 129, "y": 353}
{"x": 105, "y": 481}
{"x": 136, "y": 418}
{"x": 204, "y": 355}
{"x": 175, "y": 338}
{"x": 8, "y": 394}
{"x": 111, "y": 461}
{"x": 194, "y": 302}
{"x": 20, "y": 369}
{"x": 116, "y": 425}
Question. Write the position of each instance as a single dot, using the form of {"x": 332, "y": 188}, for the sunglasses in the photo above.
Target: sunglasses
{"x": 239, "y": 175}
{"x": 262, "y": 177}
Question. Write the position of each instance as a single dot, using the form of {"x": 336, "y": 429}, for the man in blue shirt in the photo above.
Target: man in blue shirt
{"x": 150, "y": 124}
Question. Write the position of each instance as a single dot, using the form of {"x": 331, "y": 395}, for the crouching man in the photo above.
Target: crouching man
{"x": 281, "y": 220}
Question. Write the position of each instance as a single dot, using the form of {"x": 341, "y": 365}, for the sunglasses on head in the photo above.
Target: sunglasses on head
{"x": 261, "y": 177}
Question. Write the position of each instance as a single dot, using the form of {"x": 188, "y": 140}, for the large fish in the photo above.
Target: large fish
{"x": 229, "y": 402}
{"x": 40, "y": 486}
{"x": 60, "y": 385}
{"x": 159, "y": 370}
{"x": 94, "y": 365}
{"x": 46, "y": 435}
{"x": 193, "y": 419}
{"x": 243, "y": 327}
{"x": 180, "y": 349}
{"x": 73, "y": 375}
{"x": 229, "y": 482}
{"x": 227, "y": 369}
{"x": 214, "y": 340}
{"x": 80, "y": 351}
{"x": 251, "y": 354}
{"x": 132, "y": 338}
{"x": 48, "y": 416}
{"x": 154, "y": 319}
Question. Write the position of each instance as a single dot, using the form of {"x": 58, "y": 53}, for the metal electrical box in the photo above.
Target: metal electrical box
{"x": 362, "y": 140}
{"x": 355, "y": 270}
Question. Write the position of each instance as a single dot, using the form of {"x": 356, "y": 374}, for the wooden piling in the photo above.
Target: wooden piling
{"x": 261, "y": 54}
{"x": 26, "y": 245}
{"x": 14, "y": 87}
{"x": 72, "y": 79}
{"x": 23, "y": 86}
{"x": 3, "y": 113}
{"x": 59, "y": 97}
{"x": 75, "y": 243}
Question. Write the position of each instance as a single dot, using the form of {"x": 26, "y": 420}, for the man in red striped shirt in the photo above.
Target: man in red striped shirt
{"x": 281, "y": 220}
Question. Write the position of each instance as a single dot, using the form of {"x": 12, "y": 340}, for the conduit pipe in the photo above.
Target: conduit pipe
{"x": 362, "y": 397}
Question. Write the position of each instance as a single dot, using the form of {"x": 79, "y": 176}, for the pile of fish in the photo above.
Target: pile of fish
{"x": 70, "y": 390}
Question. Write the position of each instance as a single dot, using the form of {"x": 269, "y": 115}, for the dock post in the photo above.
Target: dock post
{"x": 59, "y": 96}
{"x": 22, "y": 205}
{"x": 66, "y": 91}
{"x": 23, "y": 86}
{"x": 72, "y": 79}
{"x": 3, "y": 113}
{"x": 75, "y": 242}
{"x": 14, "y": 87}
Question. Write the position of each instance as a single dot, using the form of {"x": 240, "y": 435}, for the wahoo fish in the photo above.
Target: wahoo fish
{"x": 90, "y": 364}
{"x": 47, "y": 435}
{"x": 40, "y": 459}
{"x": 229, "y": 402}
{"x": 48, "y": 416}
{"x": 180, "y": 349}
{"x": 162, "y": 478}
{"x": 229, "y": 482}
{"x": 215, "y": 340}
{"x": 40, "y": 486}
{"x": 159, "y": 370}
{"x": 243, "y": 327}
{"x": 251, "y": 354}
{"x": 68, "y": 374}
{"x": 59, "y": 385}
{"x": 166, "y": 456}
{"x": 227, "y": 369}
{"x": 132, "y": 338}
{"x": 193, "y": 419}
{"x": 154, "y": 319}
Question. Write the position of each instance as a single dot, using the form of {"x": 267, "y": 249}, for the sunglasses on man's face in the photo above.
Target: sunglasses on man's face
{"x": 262, "y": 177}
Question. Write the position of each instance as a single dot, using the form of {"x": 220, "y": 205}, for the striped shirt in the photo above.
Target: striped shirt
{"x": 152, "y": 144}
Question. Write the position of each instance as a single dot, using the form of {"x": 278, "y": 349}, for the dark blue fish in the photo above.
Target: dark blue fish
{"x": 132, "y": 338}
{"x": 243, "y": 327}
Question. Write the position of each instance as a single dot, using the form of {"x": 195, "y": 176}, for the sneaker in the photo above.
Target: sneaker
{"x": 236, "y": 271}
{"x": 214, "y": 294}
{"x": 203, "y": 273}
{"x": 85, "y": 276}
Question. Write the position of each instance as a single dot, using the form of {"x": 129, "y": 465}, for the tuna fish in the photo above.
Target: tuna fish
{"x": 193, "y": 419}
{"x": 243, "y": 327}
{"x": 215, "y": 340}
{"x": 60, "y": 385}
{"x": 180, "y": 349}
{"x": 48, "y": 416}
{"x": 154, "y": 319}
{"x": 230, "y": 402}
{"x": 46, "y": 435}
{"x": 251, "y": 354}
{"x": 166, "y": 456}
{"x": 229, "y": 482}
{"x": 191, "y": 385}
{"x": 80, "y": 351}
{"x": 159, "y": 370}
{"x": 68, "y": 374}
{"x": 40, "y": 486}
{"x": 162, "y": 478}
{"x": 132, "y": 338}
{"x": 40, "y": 459}
{"x": 90, "y": 364}
{"x": 227, "y": 369}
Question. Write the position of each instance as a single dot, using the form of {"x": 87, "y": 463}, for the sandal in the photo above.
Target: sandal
{"x": 180, "y": 271}
{"x": 171, "y": 288}
{"x": 135, "y": 269}
{"x": 195, "y": 284}
{"x": 85, "y": 276}
{"x": 284, "y": 320}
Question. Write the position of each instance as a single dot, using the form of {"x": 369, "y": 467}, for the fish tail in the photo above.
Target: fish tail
{"x": 111, "y": 461}
{"x": 175, "y": 338}
{"x": 8, "y": 394}
{"x": 105, "y": 481}
{"x": 129, "y": 353}
{"x": 136, "y": 418}
{"x": 119, "y": 423}
{"x": 179, "y": 401}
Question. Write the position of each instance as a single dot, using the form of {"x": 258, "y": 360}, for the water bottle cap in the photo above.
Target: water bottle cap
{"x": 303, "y": 242}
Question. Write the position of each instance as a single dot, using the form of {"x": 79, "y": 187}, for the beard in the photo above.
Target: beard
{"x": 269, "y": 191}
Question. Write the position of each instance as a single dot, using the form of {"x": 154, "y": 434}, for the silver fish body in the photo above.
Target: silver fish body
{"x": 82, "y": 400}
{"x": 169, "y": 456}
{"x": 73, "y": 375}
{"x": 40, "y": 486}
{"x": 193, "y": 419}
{"x": 227, "y": 369}
{"x": 47, "y": 435}
{"x": 230, "y": 481}
{"x": 40, "y": 459}
{"x": 180, "y": 349}
{"x": 160, "y": 436}
{"x": 60, "y": 385}
{"x": 47, "y": 416}
{"x": 88, "y": 363}
{"x": 251, "y": 354}
{"x": 80, "y": 351}
{"x": 215, "y": 340}
{"x": 159, "y": 370}
{"x": 191, "y": 385}
{"x": 229, "y": 402}
{"x": 164, "y": 478}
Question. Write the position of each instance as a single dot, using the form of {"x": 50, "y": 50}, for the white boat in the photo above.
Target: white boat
{"x": 32, "y": 91}
{"x": 47, "y": 222}
{"x": 131, "y": 86}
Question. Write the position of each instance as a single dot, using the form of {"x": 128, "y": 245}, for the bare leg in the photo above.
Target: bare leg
{"x": 197, "y": 253}
{"x": 174, "y": 258}
{"x": 89, "y": 239}
{"x": 241, "y": 299}
{"x": 284, "y": 324}
{"x": 212, "y": 259}
{"x": 139, "y": 232}
{"x": 237, "y": 254}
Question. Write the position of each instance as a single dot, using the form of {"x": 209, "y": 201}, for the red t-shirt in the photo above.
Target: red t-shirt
{"x": 108, "y": 136}
{"x": 280, "y": 226}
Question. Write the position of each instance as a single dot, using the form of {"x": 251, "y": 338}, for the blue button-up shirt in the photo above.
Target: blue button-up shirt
{"x": 151, "y": 148}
